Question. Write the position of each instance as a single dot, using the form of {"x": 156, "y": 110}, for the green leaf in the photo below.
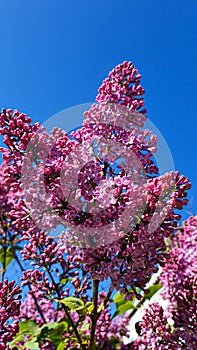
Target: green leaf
{"x": 72, "y": 303}
{"x": 82, "y": 310}
{"x": 55, "y": 338}
{"x": 54, "y": 331}
{"x": 122, "y": 308}
{"x": 31, "y": 344}
{"x": 62, "y": 327}
{"x": 118, "y": 297}
{"x": 89, "y": 306}
{"x": 58, "y": 326}
{"x": 29, "y": 327}
{"x": 61, "y": 346}
{"x": 50, "y": 325}
{"x": 152, "y": 290}
{"x": 7, "y": 256}
{"x": 19, "y": 338}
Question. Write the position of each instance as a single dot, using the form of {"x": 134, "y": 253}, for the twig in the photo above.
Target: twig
{"x": 94, "y": 316}
{"x": 66, "y": 310}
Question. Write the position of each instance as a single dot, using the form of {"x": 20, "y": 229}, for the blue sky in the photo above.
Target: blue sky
{"x": 55, "y": 54}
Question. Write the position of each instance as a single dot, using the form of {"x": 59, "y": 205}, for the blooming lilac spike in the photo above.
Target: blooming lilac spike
{"x": 10, "y": 295}
{"x": 155, "y": 331}
{"x": 123, "y": 87}
{"x": 102, "y": 184}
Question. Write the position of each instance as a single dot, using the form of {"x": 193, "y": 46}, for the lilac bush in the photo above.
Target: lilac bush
{"x": 119, "y": 218}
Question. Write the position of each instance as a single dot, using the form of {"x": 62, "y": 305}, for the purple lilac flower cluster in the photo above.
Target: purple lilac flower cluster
{"x": 10, "y": 295}
{"x": 123, "y": 86}
{"x": 180, "y": 290}
{"x": 128, "y": 215}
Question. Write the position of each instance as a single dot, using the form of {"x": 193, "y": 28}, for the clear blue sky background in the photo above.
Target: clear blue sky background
{"x": 55, "y": 54}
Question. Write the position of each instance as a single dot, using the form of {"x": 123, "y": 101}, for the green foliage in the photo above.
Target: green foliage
{"x": 54, "y": 331}
{"x": 76, "y": 304}
{"x": 32, "y": 344}
{"x": 30, "y": 329}
{"x": 37, "y": 334}
{"x": 123, "y": 305}
{"x": 6, "y": 256}
{"x": 152, "y": 290}
{"x": 73, "y": 303}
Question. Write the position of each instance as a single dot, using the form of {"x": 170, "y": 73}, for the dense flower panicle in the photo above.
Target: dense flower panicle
{"x": 180, "y": 283}
{"x": 126, "y": 260}
{"x": 180, "y": 290}
{"x": 38, "y": 280}
{"x": 128, "y": 246}
{"x": 17, "y": 131}
{"x": 28, "y": 309}
{"x": 16, "y": 128}
{"x": 123, "y": 86}
{"x": 103, "y": 261}
{"x": 8, "y": 199}
{"x": 182, "y": 262}
{"x": 185, "y": 314}
{"x": 187, "y": 240}
{"x": 155, "y": 331}
{"x": 111, "y": 195}
{"x": 10, "y": 296}
{"x": 102, "y": 184}
{"x": 43, "y": 250}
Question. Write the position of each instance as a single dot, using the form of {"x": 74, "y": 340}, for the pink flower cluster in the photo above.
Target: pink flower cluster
{"x": 182, "y": 262}
{"x": 101, "y": 183}
{"x": 28, "y": 309}
{"x": 185, "y": 313}
{"x": 17, "y": 131}
{"x": 155, "y": 330}
{"x": 10, "y": 296}
{"x": 180, "y": 289}
{"x": 122, "y": 86}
